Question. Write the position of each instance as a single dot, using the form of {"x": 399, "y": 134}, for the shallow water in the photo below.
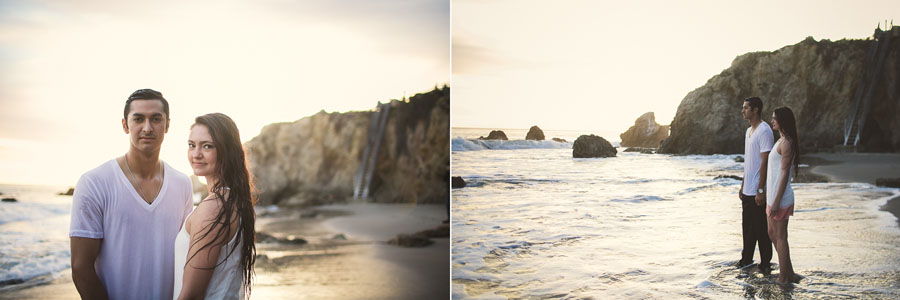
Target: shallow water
{"x": 34, "y": 240}
{"x": 536, "y": 223}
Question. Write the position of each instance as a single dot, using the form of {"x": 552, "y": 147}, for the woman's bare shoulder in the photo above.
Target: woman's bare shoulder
{"x": 206, "y": 210}
{"x": 786, "y": 144}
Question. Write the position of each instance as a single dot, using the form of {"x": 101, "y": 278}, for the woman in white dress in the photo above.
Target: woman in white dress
{"x": 215, "y": 250}
{"x": 780, "y": 196}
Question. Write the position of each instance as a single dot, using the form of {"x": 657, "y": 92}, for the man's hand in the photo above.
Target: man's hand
{"x": 761, "y": 199}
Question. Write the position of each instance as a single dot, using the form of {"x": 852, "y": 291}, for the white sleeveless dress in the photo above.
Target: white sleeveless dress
{"x": 226, "y": 279}
{"x": 774, "y": 176}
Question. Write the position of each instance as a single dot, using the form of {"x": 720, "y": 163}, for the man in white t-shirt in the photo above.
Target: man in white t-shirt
{"x": 127, "y": 212}
{"x": 758, "y": 142}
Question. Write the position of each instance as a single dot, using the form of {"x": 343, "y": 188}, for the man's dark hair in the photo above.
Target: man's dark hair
{"x": 146, "y": 94}
{"x": 754, "y": 102}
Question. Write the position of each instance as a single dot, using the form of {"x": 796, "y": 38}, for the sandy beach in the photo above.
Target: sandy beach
{"x": 857, "y": 167}
{"x": 346, "y": 256}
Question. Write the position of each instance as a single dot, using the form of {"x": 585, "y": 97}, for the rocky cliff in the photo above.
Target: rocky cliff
{"x": 817, "y": 79}
{"x": 645, "y": 132}
{"x": 314, "y": 160}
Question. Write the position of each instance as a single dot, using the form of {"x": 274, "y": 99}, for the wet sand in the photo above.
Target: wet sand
{"x": 858, "y": 167}
{"x": 358, "y": 265}
{"x": 361, "y": 267}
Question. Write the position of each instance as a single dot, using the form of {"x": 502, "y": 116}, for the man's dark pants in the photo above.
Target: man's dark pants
{"x": 755, "y": 231}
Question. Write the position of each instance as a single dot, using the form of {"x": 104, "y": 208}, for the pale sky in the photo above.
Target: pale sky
{"x": 66, "y": 68}
{"x": 598, "y": 65}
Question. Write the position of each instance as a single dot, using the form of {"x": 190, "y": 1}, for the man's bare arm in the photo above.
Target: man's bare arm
{"x": 84, "y": 254}
{"x": 763, "y": 169}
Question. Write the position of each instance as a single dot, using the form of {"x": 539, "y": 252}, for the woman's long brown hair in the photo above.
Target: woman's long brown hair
{"x": 233, "y": 175}
{"x": 785, "y": 118}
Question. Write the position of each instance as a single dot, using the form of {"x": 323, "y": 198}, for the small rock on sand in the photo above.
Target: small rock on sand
{"x": 262, "y": 237}
{"x": 888, "y": 182}
{"x": 729, "y": 176}
{"x": 411, "y": 240}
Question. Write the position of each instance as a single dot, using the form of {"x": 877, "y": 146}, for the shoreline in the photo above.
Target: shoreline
{"x": 346, "y": 256}
{"x": 856, "y": 167}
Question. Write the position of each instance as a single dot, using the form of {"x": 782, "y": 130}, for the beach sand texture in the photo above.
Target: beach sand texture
{"x": 859, "y": 167}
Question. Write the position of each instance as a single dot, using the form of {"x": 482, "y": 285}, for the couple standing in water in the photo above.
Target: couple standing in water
{"x": 135, "y": 233}
{"x": 767, "y": 198}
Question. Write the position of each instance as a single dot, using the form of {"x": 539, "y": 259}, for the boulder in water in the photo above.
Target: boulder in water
{"x": 587, "y": 146}
{"x": 10, "y": 200}
{"x": 559, "y": 140}
{"x": 495, "y": 135}
{"x": 739, "y": 159}
{"x": 535, "y": 133}
{"x": 457, "y": 182}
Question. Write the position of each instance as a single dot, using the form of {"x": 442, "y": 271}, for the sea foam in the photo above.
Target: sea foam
{"x": 462, "y": 144}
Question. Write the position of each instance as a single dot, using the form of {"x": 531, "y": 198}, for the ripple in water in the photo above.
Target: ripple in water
{"x": 653, "y": 226}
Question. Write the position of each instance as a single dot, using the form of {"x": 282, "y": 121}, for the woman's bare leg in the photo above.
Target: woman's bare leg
{"x": 785, "y": 266}
{"x": 773, "y": 236}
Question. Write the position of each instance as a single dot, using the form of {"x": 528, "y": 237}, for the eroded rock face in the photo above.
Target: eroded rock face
{"x": 645, "y": 132}
{"x": 816, "y": 79}
{"x": 535, "y": 133}
{"x": 588, "y": 146}
{"x": 314, "y": 160}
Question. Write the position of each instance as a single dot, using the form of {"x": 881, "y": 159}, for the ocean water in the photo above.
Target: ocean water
{"x": 535, "y": 223}
{"x": 517, "y": 135}
{"x": 34, "y": 240}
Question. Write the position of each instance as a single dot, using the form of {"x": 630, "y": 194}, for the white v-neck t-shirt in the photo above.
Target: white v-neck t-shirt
{"x": 136, "y": 257}
{"x": 754, "y": 145}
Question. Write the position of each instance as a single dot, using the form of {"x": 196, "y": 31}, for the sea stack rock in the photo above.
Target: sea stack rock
{"x": 818, "y": 80}
{"x": 645, "y": 132}
{"x": 495, "y": 135}
{"x": 559, "y": 140}
{"x": 69, "y": 192}
{"x": 535, "y": 133}
{"x": 587, "y": 146}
